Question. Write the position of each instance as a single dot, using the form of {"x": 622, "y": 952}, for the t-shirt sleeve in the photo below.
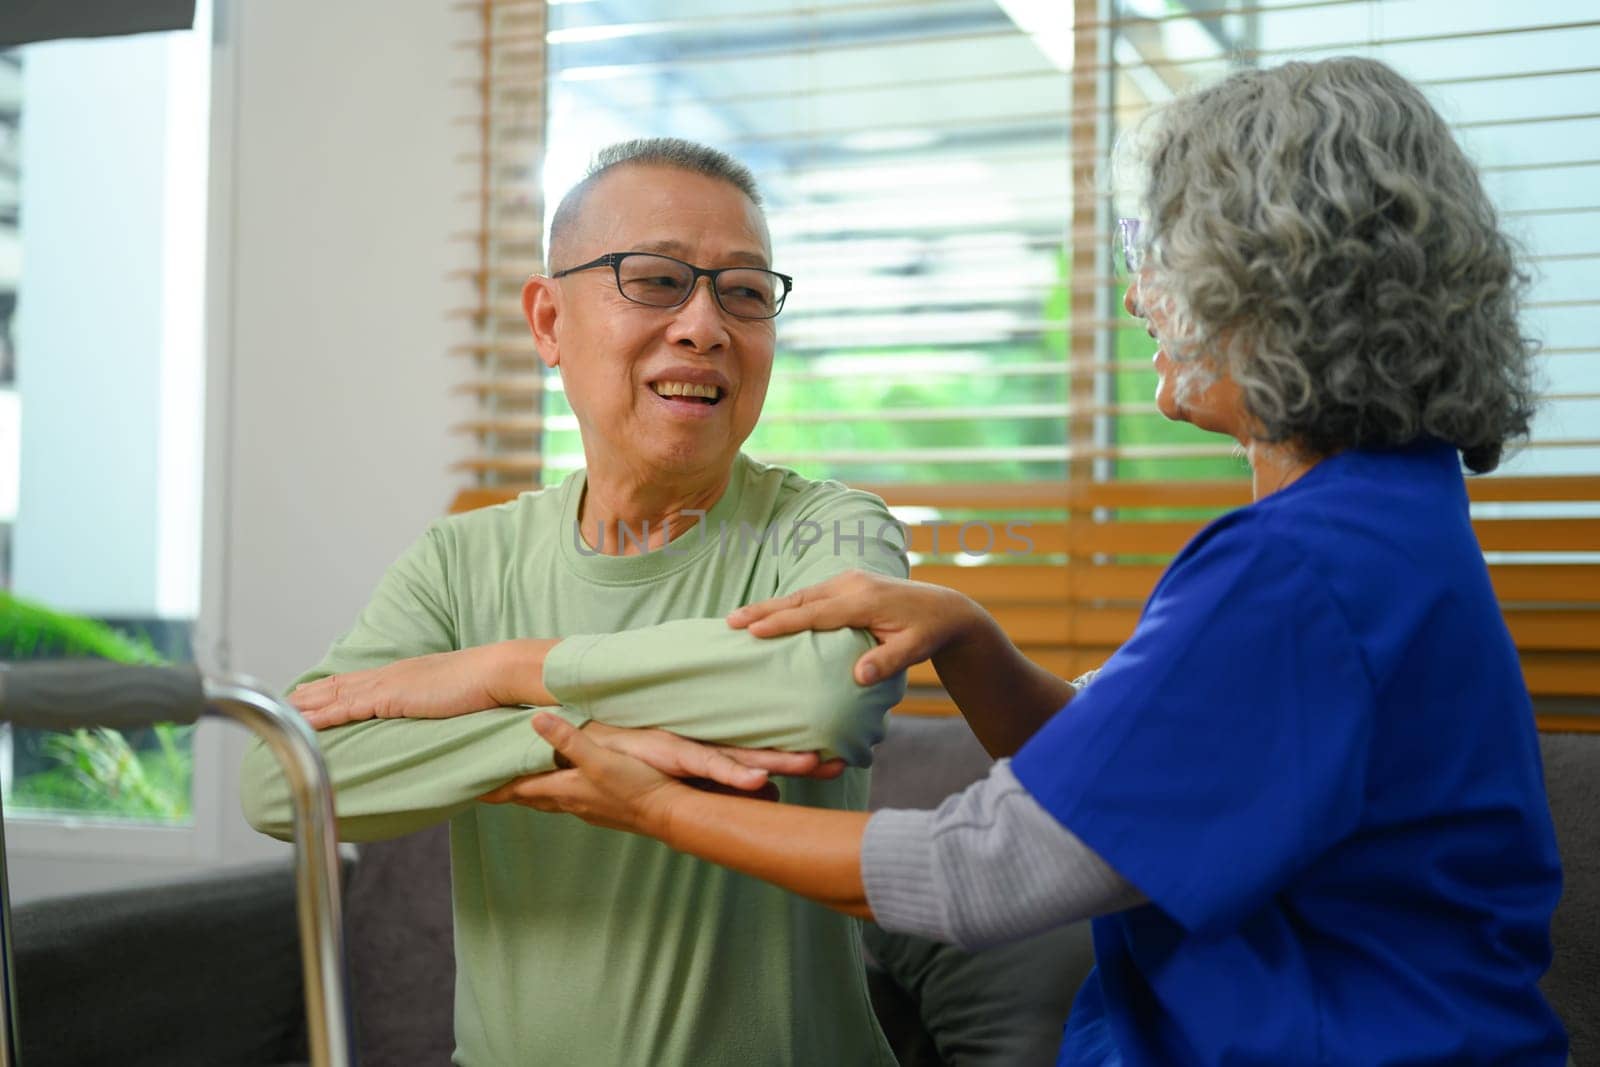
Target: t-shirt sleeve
{"x": 832, "y": 530}
{"x": 1222, "y": 749}
{"x": 394, "y": 776}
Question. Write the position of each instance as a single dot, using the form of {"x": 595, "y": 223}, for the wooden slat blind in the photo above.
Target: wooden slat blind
{"x": 505, "y": 180}
{"x": 1071, "y": 612}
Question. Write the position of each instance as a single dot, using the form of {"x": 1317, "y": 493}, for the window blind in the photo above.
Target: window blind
{"x": 506, "y": 102}
{"x": 1517, "y": 85}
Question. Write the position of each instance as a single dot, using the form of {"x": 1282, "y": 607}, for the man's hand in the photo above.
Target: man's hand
{"x": 440, "y": 686}
{"x": 720, "y": 768}
{"x": 912, "y": 621}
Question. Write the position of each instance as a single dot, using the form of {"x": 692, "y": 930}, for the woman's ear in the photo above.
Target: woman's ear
{"x": 541, "y": 307}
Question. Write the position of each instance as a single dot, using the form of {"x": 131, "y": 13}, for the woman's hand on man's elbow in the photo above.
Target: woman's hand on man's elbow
{"x": 910, "y": 621}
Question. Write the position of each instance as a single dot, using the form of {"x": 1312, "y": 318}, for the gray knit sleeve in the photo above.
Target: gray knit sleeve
{"x": 989, "y": 865}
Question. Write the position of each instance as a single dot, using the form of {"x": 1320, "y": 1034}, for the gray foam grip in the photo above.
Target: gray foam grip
{"x": 67, "y": 694}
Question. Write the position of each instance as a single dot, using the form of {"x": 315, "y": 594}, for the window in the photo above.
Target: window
{"x": 10, "y": 272}
{"x": 916, "y": 163}
{"x": 937, "y": 181}
{"x": 101, "y": 298}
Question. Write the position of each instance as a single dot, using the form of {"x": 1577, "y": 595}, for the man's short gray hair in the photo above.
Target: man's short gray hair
{"x": 671, "y": 152}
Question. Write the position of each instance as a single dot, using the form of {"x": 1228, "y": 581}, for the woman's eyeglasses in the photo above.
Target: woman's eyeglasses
{"x": 1131, "y": 247}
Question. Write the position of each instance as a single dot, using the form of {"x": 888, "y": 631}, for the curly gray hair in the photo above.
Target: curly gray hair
{"x": 1326, "y": 243}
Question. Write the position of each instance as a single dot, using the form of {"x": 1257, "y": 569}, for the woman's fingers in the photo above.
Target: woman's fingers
{"x": 605, "y": 787}
{"x": 542, "y": 788}
{"x": 826, "y": 613}
{"x": 853, "y": 600}
{"x": 897, "y": 652}
{"x": 503, "y": 795}
{"x": 721, "y": 768}
{"x": 677, "y": 756}
{"x": 788, "y": 764}
{"x": 566, "y": 739}
{"x": 792, "y": 764}
{"x": 742, "y": 617}
{"x": 828, "y": 769}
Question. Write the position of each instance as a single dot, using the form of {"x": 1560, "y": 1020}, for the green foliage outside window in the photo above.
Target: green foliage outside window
{"x": 140, "y": 774}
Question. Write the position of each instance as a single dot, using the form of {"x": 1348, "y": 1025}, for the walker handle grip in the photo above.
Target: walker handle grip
{"x": 76, "y": 693}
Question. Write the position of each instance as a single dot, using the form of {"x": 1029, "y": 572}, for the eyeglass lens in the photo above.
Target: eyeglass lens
{"x": 665, "y": 282}
{"x": 1132, "y": 251}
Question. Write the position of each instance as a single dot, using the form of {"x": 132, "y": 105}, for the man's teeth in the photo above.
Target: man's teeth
{"x": 704, "y": 392}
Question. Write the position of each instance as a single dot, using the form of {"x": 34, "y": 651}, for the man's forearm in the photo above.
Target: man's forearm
{"x": 394, "y": 776}
{"x": 1004, "y": 695}
{"x": 519, "y": 678}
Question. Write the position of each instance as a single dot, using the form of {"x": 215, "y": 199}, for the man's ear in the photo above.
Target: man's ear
{"x": 540, "y": 308}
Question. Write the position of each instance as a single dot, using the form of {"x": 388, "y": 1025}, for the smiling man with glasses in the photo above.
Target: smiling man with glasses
{"x": 605, "y": 598}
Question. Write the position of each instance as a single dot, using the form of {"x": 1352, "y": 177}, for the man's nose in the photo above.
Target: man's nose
{"x": 699, "y": 322}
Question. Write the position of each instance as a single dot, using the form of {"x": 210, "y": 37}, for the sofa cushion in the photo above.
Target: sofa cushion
{"x": 400, "y": 940}
{"x": 899, "y": 1017}
{"x": 999, "y": 1007}
{"x": 202, "y": 972}
{"x": 940, "y": 1004}
{"x": 924, "y": 758}
{"x": 1572, "y": 780}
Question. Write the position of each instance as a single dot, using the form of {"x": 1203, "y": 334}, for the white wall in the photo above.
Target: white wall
{"x": 335, "y": 193}
{"x": 345, "y": 199}
{"x": 333, "y": 451}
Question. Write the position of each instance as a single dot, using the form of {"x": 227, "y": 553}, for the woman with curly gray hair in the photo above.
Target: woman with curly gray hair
{"x": 1317, "y": 237}
{"x": 1304, "y": 801}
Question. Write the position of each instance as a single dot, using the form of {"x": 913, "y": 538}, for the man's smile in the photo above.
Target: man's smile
{"x": 689, "y": 390}
{"x": 702, "y": 393}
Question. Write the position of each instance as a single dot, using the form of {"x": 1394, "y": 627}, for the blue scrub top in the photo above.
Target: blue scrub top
{"x": 1317, "y": 759}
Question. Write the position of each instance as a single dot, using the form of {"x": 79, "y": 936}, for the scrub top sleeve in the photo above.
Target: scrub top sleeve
{"x": 1222, "y": 749}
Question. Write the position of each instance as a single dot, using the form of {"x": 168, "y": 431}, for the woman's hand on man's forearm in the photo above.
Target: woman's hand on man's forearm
{"x": 811, "y": 851}
{"x": 438, "y": 686}
{"x": 715, "y": 768}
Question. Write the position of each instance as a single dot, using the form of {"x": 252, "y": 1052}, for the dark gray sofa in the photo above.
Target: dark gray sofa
{"x": 206, "y": 972}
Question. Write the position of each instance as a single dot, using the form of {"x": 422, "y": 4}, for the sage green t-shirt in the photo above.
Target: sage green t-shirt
{"x": 588, "y": 947}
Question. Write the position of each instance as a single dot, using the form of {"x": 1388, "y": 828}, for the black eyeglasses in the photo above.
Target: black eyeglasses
{"x": 664, "y": 282}
{"x": 1132, "y": 248}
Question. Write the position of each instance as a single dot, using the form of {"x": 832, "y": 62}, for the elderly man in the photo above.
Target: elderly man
{"x": 605, "y": 598}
